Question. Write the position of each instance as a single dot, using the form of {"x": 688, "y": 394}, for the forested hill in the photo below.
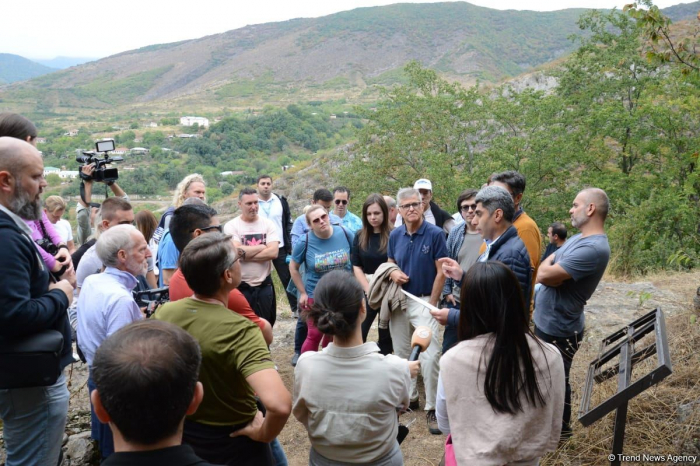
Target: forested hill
{"x": 329, "y": 55}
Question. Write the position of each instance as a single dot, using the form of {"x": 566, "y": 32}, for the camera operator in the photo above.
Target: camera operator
{"x": 86, "y": 210}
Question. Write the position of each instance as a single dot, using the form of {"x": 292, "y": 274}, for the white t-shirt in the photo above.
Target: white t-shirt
{"x": 64, "y": 230}
{"x": 272, "y": 210}
{"x": 261, "y": 231}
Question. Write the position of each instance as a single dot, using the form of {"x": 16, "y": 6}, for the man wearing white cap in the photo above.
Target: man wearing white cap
{"x": 432, "y": 213}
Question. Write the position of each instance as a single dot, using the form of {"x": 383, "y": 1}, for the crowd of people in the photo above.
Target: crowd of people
{"x": 195, "y": 383}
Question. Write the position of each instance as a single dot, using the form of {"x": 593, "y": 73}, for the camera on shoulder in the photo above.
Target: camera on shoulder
{"x": 101, "y": 160}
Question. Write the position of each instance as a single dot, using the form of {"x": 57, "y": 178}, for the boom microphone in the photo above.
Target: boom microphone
{"x": 420, "y": 341}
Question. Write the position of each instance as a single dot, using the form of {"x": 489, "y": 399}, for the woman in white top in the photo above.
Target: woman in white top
{"x": 55, "y": 207}
{"x": 501, "y": 389}
{"x": 348, "y": 395}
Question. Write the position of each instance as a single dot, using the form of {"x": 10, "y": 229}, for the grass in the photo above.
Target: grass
{"x": 663, "y": 420}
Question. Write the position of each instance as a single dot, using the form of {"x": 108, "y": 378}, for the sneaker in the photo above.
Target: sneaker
{"x": 414, "y": 405}
{"x": 432, "y": 423}
{"x": 295, "y": 358}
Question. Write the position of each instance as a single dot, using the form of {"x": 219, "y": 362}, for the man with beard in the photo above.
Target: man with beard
{"x": 569, "y": 277}
{"x": 29, "y": 303}
{"x": 106, "y": 303}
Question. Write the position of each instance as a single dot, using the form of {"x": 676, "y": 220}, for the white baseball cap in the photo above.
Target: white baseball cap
{"x": 423, "y": 184}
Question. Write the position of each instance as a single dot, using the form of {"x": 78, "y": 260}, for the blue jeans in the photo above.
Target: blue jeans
{"x": 34, "y": 420}
{"x": 278, "y": 453}
{"x": 102, "y": 433}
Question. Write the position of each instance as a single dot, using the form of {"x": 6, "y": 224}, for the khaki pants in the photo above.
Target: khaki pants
{"x": 402, "y": 325}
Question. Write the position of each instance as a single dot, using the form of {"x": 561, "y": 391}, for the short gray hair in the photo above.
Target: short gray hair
{"x": 495, "y": 197}
{"x": 112, "y": 241}
{"x": 405, "y": 193}
{"x": 390, "y": 202}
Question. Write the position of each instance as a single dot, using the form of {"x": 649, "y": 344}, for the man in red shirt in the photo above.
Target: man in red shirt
{"x": 187, "y": 223}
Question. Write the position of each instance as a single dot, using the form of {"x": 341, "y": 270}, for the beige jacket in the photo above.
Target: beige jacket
{"x": 385, "y": 294}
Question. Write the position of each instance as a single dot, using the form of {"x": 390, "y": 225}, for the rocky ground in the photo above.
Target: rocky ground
{"x": 612, "y": 306}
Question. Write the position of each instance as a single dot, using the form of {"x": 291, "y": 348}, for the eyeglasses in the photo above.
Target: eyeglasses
{"x": 323, "y": 217}
{"x": 412, "y": 205}
{"x": 341, "y": 201}
{"x": 240, "y": 255}
{"x": 466, "y": 207}
{"x": 219, "y": 228}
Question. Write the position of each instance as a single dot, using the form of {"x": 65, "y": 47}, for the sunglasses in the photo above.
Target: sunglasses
{"x": 323, "y": 217}
{"x": 219, "y": 228}
{"x": 466, "y": 207}
{"x": 341, "y": 201}
{"x": 412, "y": 205}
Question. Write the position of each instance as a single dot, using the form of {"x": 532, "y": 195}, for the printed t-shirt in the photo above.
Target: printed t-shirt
{"x": 559, "y": 309}
{"x": 232, "y": 350}
{"x": 262, "y": 231}
{"x": 179, "y": 289}
{"x": 323, "y": 255}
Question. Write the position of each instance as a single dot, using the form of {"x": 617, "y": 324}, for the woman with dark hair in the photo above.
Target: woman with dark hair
{"x": 325, "y": 248}
{"x": 368, "y": 253}
{"x": 347, "y": 396}
{"x": 501, "y": 389}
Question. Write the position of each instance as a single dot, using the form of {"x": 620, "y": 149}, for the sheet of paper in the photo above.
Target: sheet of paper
{"x": 418, "y": 300}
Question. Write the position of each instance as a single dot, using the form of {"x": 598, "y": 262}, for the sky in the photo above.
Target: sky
{"x": 46, "y": 29}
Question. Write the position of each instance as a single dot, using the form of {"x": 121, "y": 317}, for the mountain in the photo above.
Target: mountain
{"x": 682, "y": 11}
{"x": 341, "y": 55}
{"x": 16, "y": 68}
{"x": 62, "y": 63}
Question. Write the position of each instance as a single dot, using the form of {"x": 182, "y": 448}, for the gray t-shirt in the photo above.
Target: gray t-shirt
{"x": 559, "y": 310}
{"x": 90, "y": 264}
{"x": 467, "y": 255}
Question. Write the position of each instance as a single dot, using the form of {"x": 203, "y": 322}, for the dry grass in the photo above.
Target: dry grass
{"x": 663, "y": 420}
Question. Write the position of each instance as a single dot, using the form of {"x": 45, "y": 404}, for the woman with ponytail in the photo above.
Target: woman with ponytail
{"x": 501, "y": 389}
{"x": 348, "y": 395}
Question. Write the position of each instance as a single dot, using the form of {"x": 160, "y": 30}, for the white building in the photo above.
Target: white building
{"x": 68, "y": 174}
{"x": 191, "y": 120}
{"x": 51, "y": 171}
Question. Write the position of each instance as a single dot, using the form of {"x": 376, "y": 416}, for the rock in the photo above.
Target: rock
{"x": 80, "y": 450}
{"x": 686, "y": 410}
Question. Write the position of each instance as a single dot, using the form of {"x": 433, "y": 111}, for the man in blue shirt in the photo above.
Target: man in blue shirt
{"x": 106, "y": 304}
{"x": 341, "y": 199}
{"x": 416, "y": 247}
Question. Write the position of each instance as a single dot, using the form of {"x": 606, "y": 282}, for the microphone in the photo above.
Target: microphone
{"x": 420, "y": 341}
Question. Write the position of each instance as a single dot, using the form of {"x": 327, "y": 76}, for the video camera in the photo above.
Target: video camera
{"x": 151, "y": 299}
{"x": 101, "y": 173}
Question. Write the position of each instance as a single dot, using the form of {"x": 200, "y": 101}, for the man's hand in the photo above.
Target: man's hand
{"x": 450, "y": 298}
{"x": 451, "y": 268}
{"x": 64, "y": 286}
{"x": 440, "y": 315}
{"x": 414, "y": 367}
{"x": 63, "y": 256}
{"x": 88, "y": 170}
{"x": 253, "y": 429}
{"x": 398, "y": 277}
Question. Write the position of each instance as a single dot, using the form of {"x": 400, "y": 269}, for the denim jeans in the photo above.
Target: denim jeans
{"x": 300, "y": 334}
{"x": 34, "y": 420}
{"x": 278, "y": 453}
{"x": 99, "y": 432}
